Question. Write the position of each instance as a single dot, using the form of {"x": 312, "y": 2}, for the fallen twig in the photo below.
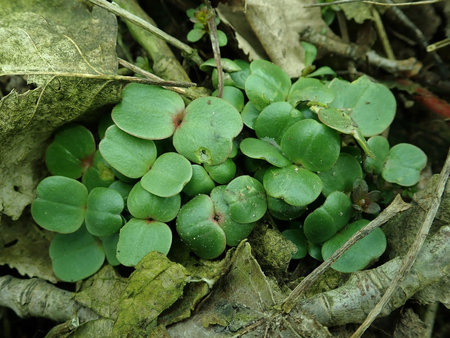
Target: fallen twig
{"x": 411, "y": 256}
{"x": 394, "y": 208}
{"x": 216, "y": 50}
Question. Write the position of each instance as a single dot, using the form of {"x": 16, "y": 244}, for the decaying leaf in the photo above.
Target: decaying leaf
{"x": 277, "y": 25}
{"x": 54, "y": 36}
{"x": 24, "y": 247}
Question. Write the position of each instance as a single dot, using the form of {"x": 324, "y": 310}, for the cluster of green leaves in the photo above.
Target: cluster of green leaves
{"x": 200, "y": 17}
{"x": 302, "y": 161}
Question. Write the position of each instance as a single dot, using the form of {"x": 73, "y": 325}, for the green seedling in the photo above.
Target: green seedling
{"x": 76, "y": 256}
{"x": 222, "y": 173}
{"x": 110, "y": 248}
{"x": 321, "y": 224}
{"x": 365, "y": 200}
{"x": 308, "y": 89}
{"x": 139, "y": 237}
{"x": 310, "y": 55}
{"x": 259, "y": 149}
{"x": 249, "y": 115}
{"x": 232, "y": 95}
{"x": 99, "y": 174}
{"x": 200, "y": 18}
{"x": 71, "y": 152}
{"x": 200, "y": 183}
{"x": 282, "y": 210}
{"x": 275, "y": 119}
{"x": 360, "y": 254}
{"x": 298, "y": 238}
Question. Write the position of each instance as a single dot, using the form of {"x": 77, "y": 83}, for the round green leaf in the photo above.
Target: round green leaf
{"x": 227, "y": 65}
{"x": 294, "y": 185}
{"x": 200, "y": 183}
{"x": 143, "y": 204}
{"x": 379, "y": 146}
{"x": 122, "y": 188}
{"x": 337, "y": 119}
{"x": 325, "y": 221}
{"x": 267, "y": 83}
{"x": 360, "y": 254}
{"x": 281, "y": 210}
{"x": 233, "y": 96}
{"x": 371, "y": 105}
{"x": 60, "y": 204}
{"x": 207, "y": 131}
{"x": 104, "y": 207}
{"x": 199, "y": 230}
{"x": 76, "y": 256}
{"x": 127, "y": 154}
{"x": 148, "y": 112}
{"x": 222, "y": 173}
{"x": 239, "y": 77}
{"x": 403, "y": 164}
{"x": 168, "y": 175}
{"x": 341, "y": 175}
{"x": 235, "y": 232}
{"x": 71, "y": 151}
{"x": 324, "y": 70}
{"x": 298, "y": 238}
{"x": 195, "y": 34}
{"x": 110, "y": 248}
{"x": 310, "y": 53}
{"x": 311, "y": 144}
{"x": 99, "y": 174}
{"x": 273, "y": 120}
{"x": 308, "y": 89}
{"x": 249, "y": 115}
{"x": 104, "y": 123}
{"x": 263, "y": 150}
{"x": 227, "y": 80}
{"x": 222, "y": 38}
{"x": 246, "y": 199}
{"x": 139, "y": 237}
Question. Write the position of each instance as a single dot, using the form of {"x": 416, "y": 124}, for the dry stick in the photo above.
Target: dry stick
{"x": 356, "y": 52}
{"x": 149, "y": 75}
{"x": 382, "y": 34}
{"x": 394, "y": 208}
{"x": 117, "y": 10}
{"x": 413, "y": 251}
{"x": 216, "y": 50}
{"x": 376, "y": 3}
{"x": 107, "y": 77}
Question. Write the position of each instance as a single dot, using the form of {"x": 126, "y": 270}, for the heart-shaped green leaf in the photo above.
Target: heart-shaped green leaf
{"x": 379, "y": 146}
{"x": 311, "y": 144}
{"x": 129, "y": 155}
{"x": 294, "y": 185}
{"x": 308, "y": 89}
{"x": 232, "y": 95}
{"x": 76, "y": 256}
{"x": 263, "y": 150}
{"x": 207, "y": 132}
{"x": 325, "y": 221}
{"x": 104, "y": 207}
{"x": 239, "y": 77}
{"x": 143, "y": 204}
{"x": 281, "y": 210}
{"x": 341, "y": 175}
{"x": 168, "y": 175}
{"x": 99, "y": 174}
{"x": 122, "y": 188}
{"x": 222, "y": 173}
{"x": 297, "y": 237}
{"x": 249, "y": 115}
{"x": 403, "y": 164}
{"x": 199, "y": 230}
{"x": 60, "y": 204}
{"x": 235, "y": 232}
{"x": 139, "y": 237}
{"x": 273, "y": 120}
{"x": 71, "y": 151}
{"x": 246, "y": 199}
{"x": 200, "y": 183}
{"x": 110, "y": 248}
{"x": 148, "y": 112}
{"x": 371, "y": 105}
{"x": 267, "y": 83}
{"x": 360, "y": 254}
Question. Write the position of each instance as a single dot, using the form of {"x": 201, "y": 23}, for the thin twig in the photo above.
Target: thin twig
{"x": 394, "y": 208}
{"x": 216, "y": 50}
{"x": 382, "y": 34}
{"x": 148, "y": 75}
{"x": 107, "y": 77}
{"x": 413, "y": 251}
{"x": 117, "y": 10}
{"x": 376, "y": 3}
